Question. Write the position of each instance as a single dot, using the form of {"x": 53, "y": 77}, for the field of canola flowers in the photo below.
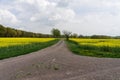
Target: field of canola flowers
{"x": 96, "y": 47}
{"x": 99, "y": 42}
{"x": 7, "y": 42}
{"x": 11, "y": 47}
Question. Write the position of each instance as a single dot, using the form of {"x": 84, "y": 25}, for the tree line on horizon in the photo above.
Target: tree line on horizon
{"x": 55, "y": 33}
{"x": 11, "y": 32}
{"x": 67, "y": 34}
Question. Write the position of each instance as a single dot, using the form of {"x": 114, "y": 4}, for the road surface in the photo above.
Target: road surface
{"x": 58, "y": 63}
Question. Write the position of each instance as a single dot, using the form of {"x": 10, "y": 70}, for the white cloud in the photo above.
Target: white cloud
{"x": 60, "y": 12}
{"x": 81, "y": 16}
{"x": 7, "y": 17}
{"x": 26, "y": 1}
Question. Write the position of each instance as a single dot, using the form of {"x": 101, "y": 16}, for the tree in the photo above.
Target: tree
{"x": 19, "y": 33}
{"x": 11, "y": 32}
{"x": 2, "y": 31}
{"x": 74, "y": 35}
{"x": 56, "y": 32}
{"x": 81, "y": 36}
{"x": 67, "y": 34}
{"x": 100, "y": 37}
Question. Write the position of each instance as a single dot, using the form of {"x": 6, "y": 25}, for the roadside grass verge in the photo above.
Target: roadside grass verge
{"x": 93, "y": 51}
{"x": 12, "y": 51}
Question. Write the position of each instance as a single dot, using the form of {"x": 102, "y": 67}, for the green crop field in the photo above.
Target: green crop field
{"x": 10, "y": 47}
{"x": 95, "y": 47}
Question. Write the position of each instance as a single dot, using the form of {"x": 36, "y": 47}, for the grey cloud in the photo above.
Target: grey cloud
{"x": 81, "y": 16}
{"x": 64, "y": 3}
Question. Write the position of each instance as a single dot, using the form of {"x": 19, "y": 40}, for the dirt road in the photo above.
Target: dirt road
{"x": 58, "y": 63}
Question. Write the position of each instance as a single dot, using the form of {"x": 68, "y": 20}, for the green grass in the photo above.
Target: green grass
{"x": 12, "y": 51}
{"x": 94, "y": 51}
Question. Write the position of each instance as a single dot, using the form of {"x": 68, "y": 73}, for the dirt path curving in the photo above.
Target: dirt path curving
{"x": 58, "y": 63}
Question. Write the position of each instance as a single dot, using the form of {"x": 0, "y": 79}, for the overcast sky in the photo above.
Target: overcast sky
{"x": 87, "y": 17}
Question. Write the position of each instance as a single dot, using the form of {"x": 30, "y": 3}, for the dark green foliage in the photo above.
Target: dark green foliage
{"x": 96, "y": 37}
{"x": 94, "y": 51}
{"x": 19, "y": 33}
{"x": 100, "y": 37}
{"x": 10, "y": 32}
{"x": 2, "y": 31}
{"x": 13, "y": 51}
{"x": 56, "y": 33}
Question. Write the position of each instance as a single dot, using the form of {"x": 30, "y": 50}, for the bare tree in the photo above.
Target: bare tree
{"x": 67, "y": 34}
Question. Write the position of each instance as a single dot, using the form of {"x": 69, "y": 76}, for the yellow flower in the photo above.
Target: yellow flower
{"x": 98, "y": 42}
{"x": 5, "y": 42}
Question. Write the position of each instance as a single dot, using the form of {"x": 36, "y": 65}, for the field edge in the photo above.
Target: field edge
{"x": 95, "y": 52}
{"x": 14, "y": 51}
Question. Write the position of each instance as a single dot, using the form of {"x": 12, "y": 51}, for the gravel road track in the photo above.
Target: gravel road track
{"x": 58, "y": 63}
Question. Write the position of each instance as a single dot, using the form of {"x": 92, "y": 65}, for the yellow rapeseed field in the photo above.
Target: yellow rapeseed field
{"x": 98, "y": 42}
{"x": 5, "y": 42}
